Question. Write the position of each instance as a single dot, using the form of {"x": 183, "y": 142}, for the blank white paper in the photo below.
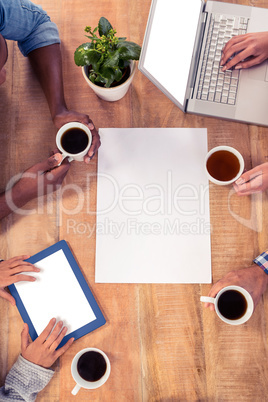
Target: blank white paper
{"x": 153, "y": 223}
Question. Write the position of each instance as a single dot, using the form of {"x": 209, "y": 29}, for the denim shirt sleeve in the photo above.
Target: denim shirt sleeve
{"x": 28, "y": 24}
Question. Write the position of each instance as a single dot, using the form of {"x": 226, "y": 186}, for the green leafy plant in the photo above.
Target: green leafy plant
{"x": 107, "y": 55}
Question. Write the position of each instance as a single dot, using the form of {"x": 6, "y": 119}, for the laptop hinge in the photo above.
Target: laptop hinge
{"x": 197, "y": 51}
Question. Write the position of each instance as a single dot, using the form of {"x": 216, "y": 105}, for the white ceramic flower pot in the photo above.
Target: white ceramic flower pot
{"x": 115, "y": 93}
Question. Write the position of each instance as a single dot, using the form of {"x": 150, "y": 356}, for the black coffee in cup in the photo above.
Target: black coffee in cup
{"x": 91, "y": 366}
{"x": 232, "y": 304}
{"x": 74, "y": 140}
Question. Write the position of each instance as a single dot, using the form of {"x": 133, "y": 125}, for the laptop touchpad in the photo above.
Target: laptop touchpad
{"x": 259, "y": 72}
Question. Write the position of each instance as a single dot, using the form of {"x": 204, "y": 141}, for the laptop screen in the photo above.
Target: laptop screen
{"x": 169, "y": 42}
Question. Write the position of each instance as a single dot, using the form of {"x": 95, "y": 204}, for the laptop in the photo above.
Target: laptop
{"x": 181, "y": 55}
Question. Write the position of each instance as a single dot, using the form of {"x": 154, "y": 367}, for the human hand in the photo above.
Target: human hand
{"x": 247, "y": 50}
{"x": 253, "y": 279}
{"x": 252, "y": 181}
{"x": 13, "y": 271}
{"x": 68, "y": 116}
{"x": 40, "y": 179}
{"x": 43, "y": 350}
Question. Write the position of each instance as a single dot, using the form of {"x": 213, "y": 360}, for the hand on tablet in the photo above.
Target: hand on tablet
{"x": 43, "y": 350}
{"x": 12, "y": 271}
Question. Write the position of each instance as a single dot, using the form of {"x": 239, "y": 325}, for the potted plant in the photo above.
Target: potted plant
{"x": 107, "y": 61}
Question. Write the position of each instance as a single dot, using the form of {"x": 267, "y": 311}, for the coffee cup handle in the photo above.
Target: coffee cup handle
{"x": 70, "y": 159}
{"x": 76, "y": 389}
{"x": 206, "y": 299}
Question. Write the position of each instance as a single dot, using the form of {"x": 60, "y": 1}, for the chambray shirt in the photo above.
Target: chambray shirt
{"x": 28, "y": 24}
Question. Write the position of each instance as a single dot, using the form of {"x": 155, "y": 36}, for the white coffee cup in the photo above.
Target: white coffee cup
{"x": 236, "y": 154}
{"x": 73, "y": 156}
{"x": 248, "y": 308}
{"x": 80, "y": 382}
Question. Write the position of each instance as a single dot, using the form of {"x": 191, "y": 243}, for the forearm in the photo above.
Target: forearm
{"x": 47, "y": 65}
{"x": 259, "y": 278}
{"x": 24, "y": 381}
{"x": 4, "y": 207}
{"x": 13, "y": 199}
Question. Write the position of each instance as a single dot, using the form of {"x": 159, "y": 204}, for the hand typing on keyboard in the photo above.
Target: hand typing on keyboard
{"x": 243, "y": 51}
{"x": 215, "y": 84}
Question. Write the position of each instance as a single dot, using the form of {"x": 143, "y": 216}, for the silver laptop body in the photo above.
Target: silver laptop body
{"x": 173, "y": 54}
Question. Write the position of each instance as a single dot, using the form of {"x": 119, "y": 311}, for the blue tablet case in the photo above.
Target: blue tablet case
{"x": 78, "y": 333}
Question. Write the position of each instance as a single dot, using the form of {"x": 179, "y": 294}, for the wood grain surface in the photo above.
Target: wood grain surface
{"x": 163, "y": 345}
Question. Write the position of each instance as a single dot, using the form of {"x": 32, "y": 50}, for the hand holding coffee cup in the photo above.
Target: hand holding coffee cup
{"x": 224, "y": 165}
{"x": 233, "y": 304}
{"x": 253, "y": 181}
{"x": 90, "y": 369}
{"x": 74, "y": 140}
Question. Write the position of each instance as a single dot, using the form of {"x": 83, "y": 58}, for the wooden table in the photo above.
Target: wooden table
{"x": 163, "y": 345}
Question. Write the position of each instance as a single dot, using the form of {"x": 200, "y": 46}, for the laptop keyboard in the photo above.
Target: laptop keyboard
{"x": 214, "y": 84}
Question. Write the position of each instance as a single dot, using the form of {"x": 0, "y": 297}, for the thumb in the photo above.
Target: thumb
{"x": 91, "y": 125}
{"x": 50, "y": 163}
{"x": 5, "y": 295}
{"x": 53, "y": 161}
{"x": 25, "y": 337}
{"x": 250, "y": 174}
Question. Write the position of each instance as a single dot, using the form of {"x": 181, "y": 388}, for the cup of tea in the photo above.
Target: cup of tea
{"x": 90, "y": 369}
{"x": 224, "y": 165}
{"x": 233, "y": 304}
{"x": 73, "y": 141}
